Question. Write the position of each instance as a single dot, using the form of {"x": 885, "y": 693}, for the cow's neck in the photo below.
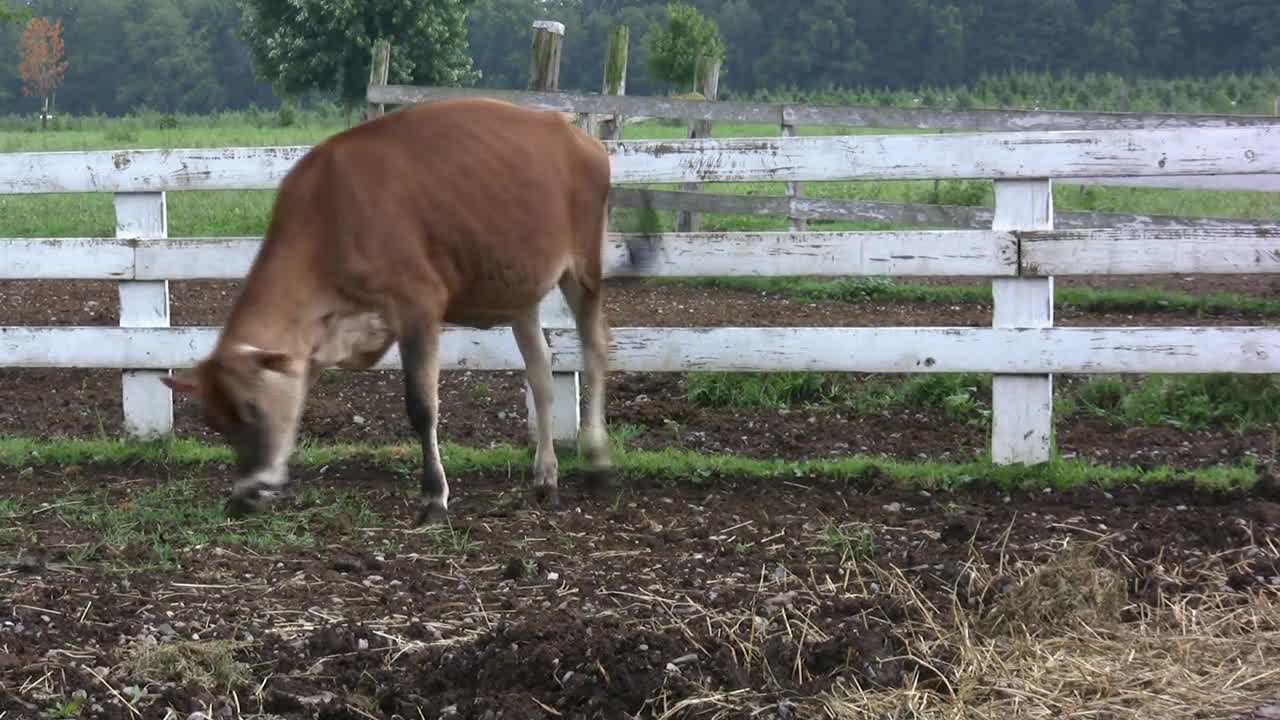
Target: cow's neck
{"x": 276, "y": 310}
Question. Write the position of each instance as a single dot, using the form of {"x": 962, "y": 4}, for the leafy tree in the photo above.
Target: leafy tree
{"x": 43, "y": 60}
{"x": 13, "y": 15}
{"x": 674, "y": 50}
{"x": 163, "y": 44}
{"x": 326, "y": 45}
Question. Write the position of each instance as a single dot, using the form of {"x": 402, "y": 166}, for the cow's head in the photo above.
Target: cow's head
{"x": 253, "y": 399}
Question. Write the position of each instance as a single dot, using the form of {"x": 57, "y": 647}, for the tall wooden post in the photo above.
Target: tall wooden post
{"x": 148, "y": 403}
{"x": 1022, "y": 405}
{"x": 706, "y": 80}
{"x": 615, "y": 79}
{"x": 379, "y": 71}
{"x": 793, "y": 190}
{"x": 566, "y": 407}
{"x": 544, "y": 55}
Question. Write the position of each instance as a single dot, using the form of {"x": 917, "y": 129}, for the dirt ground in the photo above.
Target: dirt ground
{"x": 483, "y": 408}
{"x": 716, "y": 597}
{"x": 720, "y": 598}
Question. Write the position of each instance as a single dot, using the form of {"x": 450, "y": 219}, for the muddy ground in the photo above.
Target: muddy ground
{"x": 714, "y": 598}
{"x": 720, "y": 598}
{"x": 483, "y": 408}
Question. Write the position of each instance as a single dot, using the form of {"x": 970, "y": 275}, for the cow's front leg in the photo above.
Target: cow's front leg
{"x": 420, "y": 358}
{"x": 537, "y": 363}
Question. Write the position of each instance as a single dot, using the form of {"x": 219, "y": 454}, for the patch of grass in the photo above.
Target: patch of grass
{"x": 869, "y": 289}
{"x": 671, "y": 464}
{"x": 1193, "y": 402}
{"x": 782, "y": 389}
{"x": 852, "y": 541}
{"x": 173, "y": 517}
{"x": 962, "y": 396}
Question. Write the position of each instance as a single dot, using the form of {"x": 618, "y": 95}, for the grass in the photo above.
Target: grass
{"x": 670, "y": 465}
{"x": 1192, "y": 402}
{"x": 958, "y": 395}
{"x": 887, "y": 290}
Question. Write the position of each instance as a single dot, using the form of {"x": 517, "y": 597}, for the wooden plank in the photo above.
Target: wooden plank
{"x": 1207, "y": 151}
{"x": 1022, "y": 405}
{"x": 1228, "y": 250}
{"x": 66, "y": 258}
{"x": 630, "y": 106}
{"x": 196, "y": 258}
{"x": 764, "y": 254}
{"x": 148, "y": 403}
{"x": 917, "y": 214}
{"x": 830, "y": 115}
{"x": 1119, "y": 153}
{"x": 1077, "y": 350}
{"x": 982, "y": 253}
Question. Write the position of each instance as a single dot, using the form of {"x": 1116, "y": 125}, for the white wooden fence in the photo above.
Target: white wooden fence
{"x": 1021, "y": 252}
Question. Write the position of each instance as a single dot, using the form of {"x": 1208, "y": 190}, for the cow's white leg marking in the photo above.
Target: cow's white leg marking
{"x": 537, "y": 361}
{"x": 588, "y": 315}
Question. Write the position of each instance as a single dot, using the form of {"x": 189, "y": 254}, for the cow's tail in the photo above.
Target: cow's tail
{"x": 643, "y": 238}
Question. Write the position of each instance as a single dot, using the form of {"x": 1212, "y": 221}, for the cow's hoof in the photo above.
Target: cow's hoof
{"x": 433, "y": 513}
{"x": 598, "y": 480}
{"x": 241, "y": 506}
{"x": 547, "y": 496}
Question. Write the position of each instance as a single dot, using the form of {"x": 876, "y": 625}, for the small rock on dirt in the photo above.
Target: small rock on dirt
{"x": 514, "y": 569}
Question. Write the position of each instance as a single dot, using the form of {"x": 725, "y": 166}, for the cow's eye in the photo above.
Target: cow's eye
{"x": 250, "y": 413}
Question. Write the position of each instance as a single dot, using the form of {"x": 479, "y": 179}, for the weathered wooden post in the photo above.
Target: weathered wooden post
{"x": 793, "y": 189}
{"x": 566, "y": 407}
{"x": 1022, "y": 405}
{"x": 706, "y": 81}
{"x": 379, "y": 71}
{"x": 544, "y": 56}
{"x": 148, "y": 403}
{"x": 615, "y": 79}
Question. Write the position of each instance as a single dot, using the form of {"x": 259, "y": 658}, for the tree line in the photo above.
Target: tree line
{"x": 201, "y": 56}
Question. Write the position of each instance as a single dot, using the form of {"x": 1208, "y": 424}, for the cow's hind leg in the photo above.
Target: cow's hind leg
{"x": 588, "y": 312}
{"x": 537, "y": 362}
{"x": 420, "y": 358}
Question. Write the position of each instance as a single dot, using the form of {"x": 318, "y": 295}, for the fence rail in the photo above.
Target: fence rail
{"x": 892, "y": 213}
{"x": 901, "y": 253}
{"x": 1008, "y": 351}
{"x": 1247, "y": 151}
{"x": 804, "y": 114}
{"x": 1019, "y": 251}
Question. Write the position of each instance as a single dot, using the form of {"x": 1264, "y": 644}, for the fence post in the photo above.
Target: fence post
{"x": 615, "y": 79}
{"x": 1022, "y": 405}
{"x": 706, "y": 80}
{"x": 566, "y": 408}
{"x": 379, "y": 71}
{"x": 148, "y": 403}
{"x": 793, "y": 189}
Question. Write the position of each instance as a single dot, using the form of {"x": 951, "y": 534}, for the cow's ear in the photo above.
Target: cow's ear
{"x": 273, "y": 361}
{"x": 267, "y": 359}
{"x": 184, "y": 382}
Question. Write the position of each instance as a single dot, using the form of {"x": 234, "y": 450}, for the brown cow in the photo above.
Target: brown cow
{"x": 460, "y": 211}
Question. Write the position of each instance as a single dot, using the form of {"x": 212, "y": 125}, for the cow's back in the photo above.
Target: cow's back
{"x": 461, "y": 195}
